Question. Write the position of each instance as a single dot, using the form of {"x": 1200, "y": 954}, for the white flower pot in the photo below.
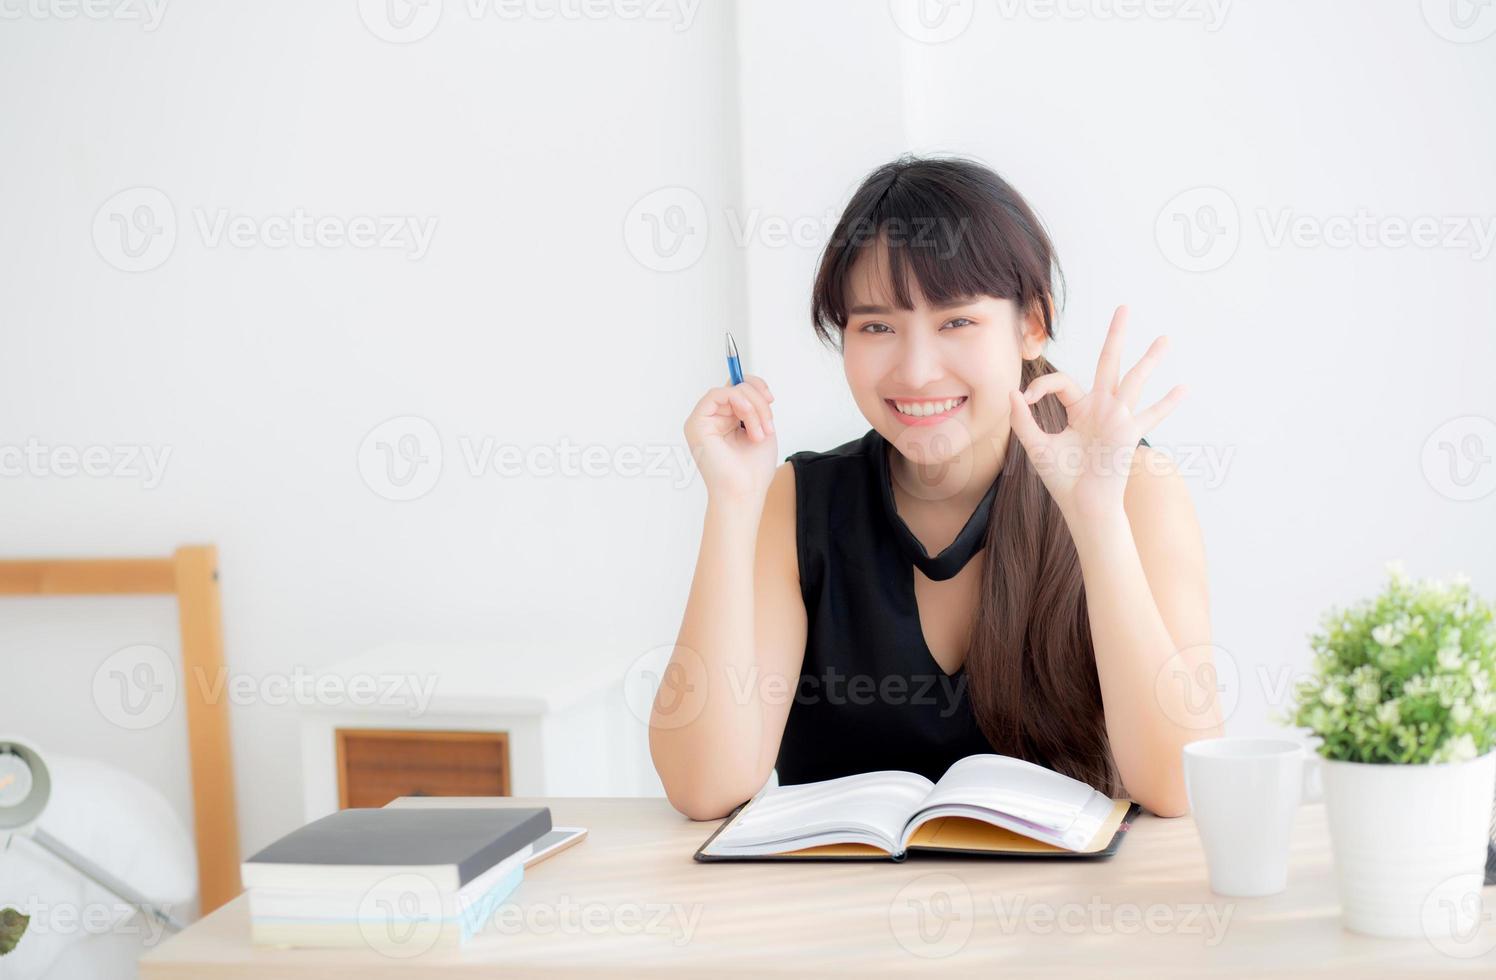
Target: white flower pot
{"x": 1402, "y": 834}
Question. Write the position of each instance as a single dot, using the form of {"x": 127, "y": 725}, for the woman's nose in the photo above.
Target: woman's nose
{"x": 919, "y": 365}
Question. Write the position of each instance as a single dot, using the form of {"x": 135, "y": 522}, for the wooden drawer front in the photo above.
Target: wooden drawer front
{"x": 377, "y": 765}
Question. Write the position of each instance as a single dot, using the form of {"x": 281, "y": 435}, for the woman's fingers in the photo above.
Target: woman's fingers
{"x": 1160, "y": 409}
{"x": 1023, "y": 422}
{"x": 760, "y": 384}
{"x": 752, "y": 407}
{"x": 1057, "y": 382}
{"x": 726, "y": 405}
{"x": 760, "y": 398}
{"x": 1132, "y": 382}
{"x": 1111, "y": 353}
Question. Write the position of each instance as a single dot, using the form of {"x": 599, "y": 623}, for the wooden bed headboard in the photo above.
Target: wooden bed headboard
{"x": 191, "y": 574}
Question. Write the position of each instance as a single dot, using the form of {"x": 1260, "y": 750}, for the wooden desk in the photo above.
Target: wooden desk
{"x": 629, "y": 900}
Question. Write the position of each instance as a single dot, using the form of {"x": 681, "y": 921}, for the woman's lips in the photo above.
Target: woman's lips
{"x": 925, "y": 419}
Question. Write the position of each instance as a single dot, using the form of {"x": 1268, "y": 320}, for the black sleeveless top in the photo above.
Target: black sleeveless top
{"x": 870, "y": 694}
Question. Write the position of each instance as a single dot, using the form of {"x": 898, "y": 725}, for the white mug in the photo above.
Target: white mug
{"x": 1243, "y": 793}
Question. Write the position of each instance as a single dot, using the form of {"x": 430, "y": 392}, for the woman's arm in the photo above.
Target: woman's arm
{"x": 1148, "y": 605}
{"x": 1142, "y": 562}
{"x": 722, "y": 705}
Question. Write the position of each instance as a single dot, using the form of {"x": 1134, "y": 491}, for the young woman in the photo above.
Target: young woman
{"x": 1000, "y": 564}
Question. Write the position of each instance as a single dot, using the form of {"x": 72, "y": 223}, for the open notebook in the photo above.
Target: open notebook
{"x": 989, "y": 805}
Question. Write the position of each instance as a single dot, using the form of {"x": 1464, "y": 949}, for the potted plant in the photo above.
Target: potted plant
{"x": 1403, "y": 698}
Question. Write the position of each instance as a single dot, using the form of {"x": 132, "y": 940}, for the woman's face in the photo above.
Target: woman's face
{"x": 933, "y": 382}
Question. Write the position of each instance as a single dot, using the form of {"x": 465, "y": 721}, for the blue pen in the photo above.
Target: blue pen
{"x": 734, "y": 367}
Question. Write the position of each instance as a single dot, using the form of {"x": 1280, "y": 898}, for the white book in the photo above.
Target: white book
{"x": 983, "y": 804}
{"x": 332, "y": 902}
{"x": 404, "y": 915}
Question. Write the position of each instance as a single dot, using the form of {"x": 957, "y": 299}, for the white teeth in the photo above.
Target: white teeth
{"x": 921, "y": 409}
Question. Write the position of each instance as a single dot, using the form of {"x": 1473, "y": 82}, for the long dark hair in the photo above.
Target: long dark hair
{"x": 963, "y": 231}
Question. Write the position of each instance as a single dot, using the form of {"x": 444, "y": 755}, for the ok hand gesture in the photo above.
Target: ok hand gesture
{"x": 1085, "y": 466}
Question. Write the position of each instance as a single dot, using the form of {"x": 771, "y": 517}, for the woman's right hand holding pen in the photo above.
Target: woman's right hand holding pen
{"x": 736, "y": 463}
{"x": 710, "y": 747}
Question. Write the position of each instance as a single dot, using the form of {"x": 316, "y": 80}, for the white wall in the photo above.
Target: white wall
{"x": 540, "y": 312}
{"x": 529, "y": 321}
{"x": 1318, "y": 373}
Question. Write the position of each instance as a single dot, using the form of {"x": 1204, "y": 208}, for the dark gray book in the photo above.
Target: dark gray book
{"x": 449, "y": 846}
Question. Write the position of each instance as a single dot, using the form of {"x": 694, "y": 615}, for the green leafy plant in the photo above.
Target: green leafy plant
{"x": 1408, "y": 676}
{"x": 12, "y": 927}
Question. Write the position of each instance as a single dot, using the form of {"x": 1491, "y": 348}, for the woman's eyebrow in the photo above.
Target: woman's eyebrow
{"x": 883, "y": 310}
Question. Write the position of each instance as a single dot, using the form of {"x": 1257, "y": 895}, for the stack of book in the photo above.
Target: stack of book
{"x": 400, "y": 881}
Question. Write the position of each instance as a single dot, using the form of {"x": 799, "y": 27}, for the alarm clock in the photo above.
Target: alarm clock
{"x": 25, "y": 785}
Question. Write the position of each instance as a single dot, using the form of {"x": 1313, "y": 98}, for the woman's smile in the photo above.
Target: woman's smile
{"x": 925, "y": 411}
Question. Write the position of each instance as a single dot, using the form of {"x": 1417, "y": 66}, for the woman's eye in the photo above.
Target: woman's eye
{"x": 875, "y": 328}
{"x": 958, "y": 321}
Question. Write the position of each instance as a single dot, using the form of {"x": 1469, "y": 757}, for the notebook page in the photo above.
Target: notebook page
{"x": 870, "y": 803}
